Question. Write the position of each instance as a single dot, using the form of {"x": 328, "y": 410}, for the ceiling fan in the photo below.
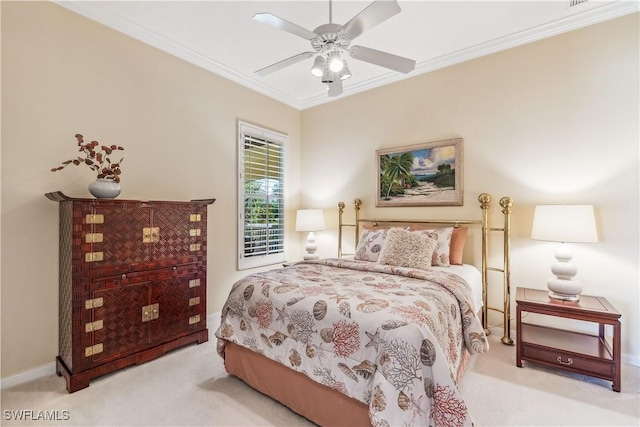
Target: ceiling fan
{"x": 330, "y": 42}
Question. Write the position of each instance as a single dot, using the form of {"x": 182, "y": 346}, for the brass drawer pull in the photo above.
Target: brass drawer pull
{"x": 150, "y": 312}
{"x": 94, "y": 349}
{"x": 94, "y": 256}
{"x": 568, "y": 362}
{"x": 94, "y": 303}
{"x": 150, "y": 234}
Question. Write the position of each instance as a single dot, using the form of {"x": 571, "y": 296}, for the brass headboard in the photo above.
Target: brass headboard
{"x": 485, "y": 201}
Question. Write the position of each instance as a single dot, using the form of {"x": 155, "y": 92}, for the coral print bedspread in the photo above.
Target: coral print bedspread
{"x": 390, "y": 337}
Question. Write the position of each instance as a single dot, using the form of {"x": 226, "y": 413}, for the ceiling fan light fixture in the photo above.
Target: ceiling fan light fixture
{"x": 328, "y": 76}
{"x": 330, "y": 41}
{"x": 345, "y": 73}
{"x": 319, "y": 66}
{"x": 335, "y": 61}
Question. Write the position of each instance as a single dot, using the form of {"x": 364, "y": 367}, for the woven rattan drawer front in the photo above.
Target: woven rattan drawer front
{"x": 155, "y": 237}
{"x": 117, "y": 226}
{"x": 125, "y": 279}
{"x": 175, "y": 239}
{"x": 122, "y": 330}
{"x": 173, "y": 298}
{"x": 568, "y": 360}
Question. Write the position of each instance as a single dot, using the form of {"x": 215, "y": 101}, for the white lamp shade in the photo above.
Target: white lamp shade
{"x": 564, "y": 223}
{"x": 345, "y": 73}
{"x": 310, "y": 220}
{"x": 318, "y": 66}
{"x": 335, "y": 61}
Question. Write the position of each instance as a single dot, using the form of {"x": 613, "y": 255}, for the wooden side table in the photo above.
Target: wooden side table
{"x": 573, "y": 351}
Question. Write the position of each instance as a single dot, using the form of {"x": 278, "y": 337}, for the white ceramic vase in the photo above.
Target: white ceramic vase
{"x": 104, "y": 188}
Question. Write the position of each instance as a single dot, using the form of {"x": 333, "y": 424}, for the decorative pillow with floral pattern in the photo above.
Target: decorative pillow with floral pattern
{"x": 370, "y": 244}
{"x": 440, "y": 255}
{"x": 404, "y": 248}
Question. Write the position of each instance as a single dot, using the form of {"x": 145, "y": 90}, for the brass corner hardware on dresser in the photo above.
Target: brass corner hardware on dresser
{"x": 132, "y": 282}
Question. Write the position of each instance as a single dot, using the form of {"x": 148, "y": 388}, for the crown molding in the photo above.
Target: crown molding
{"x": 583, "y": 19}
{"x": 95, "y": 12}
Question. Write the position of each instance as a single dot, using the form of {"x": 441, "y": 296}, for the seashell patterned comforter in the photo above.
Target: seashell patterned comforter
{"x": 390, "y": 337}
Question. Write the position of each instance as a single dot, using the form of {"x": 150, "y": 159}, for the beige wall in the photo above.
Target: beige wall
{"x": 551, "y": 122}
{"x": 63, "y": 74}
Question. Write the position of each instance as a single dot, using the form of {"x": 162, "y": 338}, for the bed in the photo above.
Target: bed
{"x": 378, "y": 338}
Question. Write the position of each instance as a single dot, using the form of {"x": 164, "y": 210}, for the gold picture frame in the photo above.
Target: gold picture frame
{"x": 427, "y": 174}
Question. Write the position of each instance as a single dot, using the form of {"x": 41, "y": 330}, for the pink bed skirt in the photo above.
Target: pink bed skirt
{"x": 314, "y": 401}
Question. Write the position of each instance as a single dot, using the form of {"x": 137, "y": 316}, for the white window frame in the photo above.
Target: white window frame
{"x": 271, "y": 255}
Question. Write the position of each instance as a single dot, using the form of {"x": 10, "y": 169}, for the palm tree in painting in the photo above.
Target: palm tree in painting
{"x": 396, "y": 167}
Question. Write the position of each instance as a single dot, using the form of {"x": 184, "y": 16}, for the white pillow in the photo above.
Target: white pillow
{"x": 404, "y": 248}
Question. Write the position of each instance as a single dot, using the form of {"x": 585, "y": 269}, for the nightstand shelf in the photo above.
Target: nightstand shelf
{"x": 573, "y": 351}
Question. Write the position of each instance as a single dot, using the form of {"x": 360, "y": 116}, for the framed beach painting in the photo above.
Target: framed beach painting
{"x": 428, "y": 174}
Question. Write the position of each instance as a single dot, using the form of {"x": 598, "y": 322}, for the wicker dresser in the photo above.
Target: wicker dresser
{"x": 132, "y": 282}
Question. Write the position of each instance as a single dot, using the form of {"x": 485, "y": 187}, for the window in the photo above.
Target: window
{"x": 260, "y": 196}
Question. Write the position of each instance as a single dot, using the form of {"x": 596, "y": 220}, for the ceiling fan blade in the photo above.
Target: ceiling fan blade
{"x": 383, "y": 59}
{"x": 335, "y": 87}
{"x": 279, "y": 23}
{"x": 377, "y": 12}
{"x": 284, "y": 63}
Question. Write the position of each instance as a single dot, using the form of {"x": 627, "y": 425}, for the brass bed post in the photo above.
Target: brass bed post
{"x": 341, "y": 224}
{"x": 340, "y": 212}
{"x": 356, "y": 206}
{"x": 507, "y": 203}
{"x": 485, "y": 200}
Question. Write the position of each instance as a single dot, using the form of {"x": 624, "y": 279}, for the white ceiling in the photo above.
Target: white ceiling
{"x": 222, "y": 37}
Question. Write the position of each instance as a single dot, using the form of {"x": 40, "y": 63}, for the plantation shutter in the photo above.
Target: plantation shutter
{"x": 261, "y": 201}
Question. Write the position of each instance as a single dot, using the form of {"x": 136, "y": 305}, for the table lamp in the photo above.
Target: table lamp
{"x": 310, "y": 220}
{"x": 564, "y": 224}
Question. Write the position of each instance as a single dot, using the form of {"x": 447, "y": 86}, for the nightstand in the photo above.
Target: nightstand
{"x": 577, "y": 352}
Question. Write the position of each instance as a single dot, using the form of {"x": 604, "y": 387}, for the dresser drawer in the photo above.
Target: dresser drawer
{"x": 568, "y": 360}
{"x": 177, "y": 273}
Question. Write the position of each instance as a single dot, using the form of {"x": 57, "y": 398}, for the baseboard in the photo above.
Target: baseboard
{"x": 628, "y": 359}
{"x": 214, "y": 317}
{"x": 50, "y": 368}
{"x": 34, "y": 374}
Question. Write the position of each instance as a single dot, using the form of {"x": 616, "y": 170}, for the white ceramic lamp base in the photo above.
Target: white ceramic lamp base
{"x": 563, "y": 287}
{"x": 569, "y": 291}
{"x": 311, "y": 247}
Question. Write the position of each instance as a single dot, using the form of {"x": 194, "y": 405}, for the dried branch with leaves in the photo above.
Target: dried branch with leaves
{"x": 98, "y": 160}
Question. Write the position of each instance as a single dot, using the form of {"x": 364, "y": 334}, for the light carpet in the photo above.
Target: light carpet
{"x": 189, "y": 387}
